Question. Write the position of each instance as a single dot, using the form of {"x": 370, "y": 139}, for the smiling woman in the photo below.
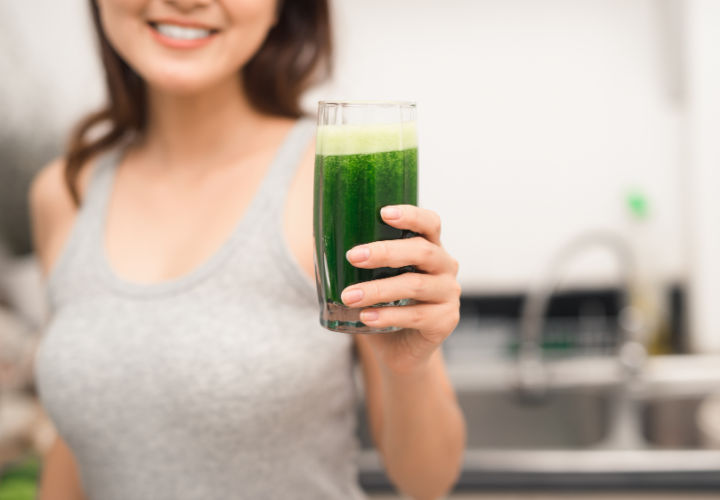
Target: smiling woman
{"x": 175, "y": 50}
{"x": 273, "y": 75}
{"x": 184, "y": 359}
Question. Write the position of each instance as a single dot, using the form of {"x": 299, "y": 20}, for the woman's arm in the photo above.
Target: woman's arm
{"x": 416, "y": 424}
{"x": 60, "y": 479}
{"x": 53, "y": 212}
{"x": 416, "y": 421}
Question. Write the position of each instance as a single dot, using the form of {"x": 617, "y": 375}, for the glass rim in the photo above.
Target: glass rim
{"x": 362, "y": 102}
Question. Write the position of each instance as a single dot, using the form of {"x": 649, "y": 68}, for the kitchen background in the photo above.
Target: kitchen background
{"x": 571, "y": 147}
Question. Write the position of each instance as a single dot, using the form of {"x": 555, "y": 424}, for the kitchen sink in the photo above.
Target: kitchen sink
{"x": 500, "y": 420}
{"x": 590, "y": 430}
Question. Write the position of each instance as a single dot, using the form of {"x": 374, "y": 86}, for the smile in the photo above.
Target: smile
{"x": 181, "y": 37}
{"x": 182, "y": 32}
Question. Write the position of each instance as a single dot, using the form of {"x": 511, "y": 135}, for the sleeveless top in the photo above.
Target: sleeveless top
{"x": 220, "y": 384}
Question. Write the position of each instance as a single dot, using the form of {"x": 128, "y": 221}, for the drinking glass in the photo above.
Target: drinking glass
{"x": 366, "y": 158}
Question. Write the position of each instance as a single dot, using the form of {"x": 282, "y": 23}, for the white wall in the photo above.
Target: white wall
{"x": 50, "y": 71}
{"x": 703, "y": 64}
{"x": 536, "y": 118}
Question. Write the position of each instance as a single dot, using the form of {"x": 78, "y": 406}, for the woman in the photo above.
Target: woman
{"x": 184, "y": 358}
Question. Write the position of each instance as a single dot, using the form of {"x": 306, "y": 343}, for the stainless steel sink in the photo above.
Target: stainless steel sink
{"x": 499, "y": 420}
{"x": 562, "y": 440}
{"x": 566, "y": 420}
{"x": 671, "y": 423}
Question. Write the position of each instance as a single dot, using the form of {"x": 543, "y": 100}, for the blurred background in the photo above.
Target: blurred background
{"x": 572, "y": 148}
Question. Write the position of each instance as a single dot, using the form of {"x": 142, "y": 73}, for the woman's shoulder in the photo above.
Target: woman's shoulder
{"x": 52, "y": 209}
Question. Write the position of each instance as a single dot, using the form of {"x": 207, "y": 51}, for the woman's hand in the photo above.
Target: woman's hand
{"x": 433, "y": 287}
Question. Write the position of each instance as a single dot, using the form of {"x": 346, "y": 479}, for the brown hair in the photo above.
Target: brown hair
{"x": 296, "y": 53}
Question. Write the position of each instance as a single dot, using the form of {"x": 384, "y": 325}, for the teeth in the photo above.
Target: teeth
{"x": 181, "y": 32}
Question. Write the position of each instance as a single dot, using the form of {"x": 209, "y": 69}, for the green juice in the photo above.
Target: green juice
{"x": 359, "y": 170}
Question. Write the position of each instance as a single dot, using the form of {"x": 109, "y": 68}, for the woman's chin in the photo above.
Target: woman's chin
{"x": 185, "y": 84}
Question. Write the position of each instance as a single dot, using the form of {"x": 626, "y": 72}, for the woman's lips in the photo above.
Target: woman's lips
{"x": 181, "y": 35}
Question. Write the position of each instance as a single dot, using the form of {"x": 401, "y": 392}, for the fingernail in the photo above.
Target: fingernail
{"x": 390, "y": 212}
{"x": 358, "y": 254}
{"x": 369, "y": 315}
{"x": 352, "y": 295}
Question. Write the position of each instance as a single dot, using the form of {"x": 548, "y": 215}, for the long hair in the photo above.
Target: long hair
{"x": 296, "y": 53}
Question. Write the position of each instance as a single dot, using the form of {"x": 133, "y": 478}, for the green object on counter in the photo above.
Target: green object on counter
{"x": 19, "y": 481}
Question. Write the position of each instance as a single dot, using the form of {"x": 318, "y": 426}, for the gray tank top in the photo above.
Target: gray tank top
{"x": 217, "y": 385}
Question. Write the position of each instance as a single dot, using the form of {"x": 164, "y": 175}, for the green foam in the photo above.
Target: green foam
{"x": 365, "y": 139}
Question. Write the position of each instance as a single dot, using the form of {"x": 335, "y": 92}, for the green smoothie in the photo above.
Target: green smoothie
{"x": 358, "y": 170}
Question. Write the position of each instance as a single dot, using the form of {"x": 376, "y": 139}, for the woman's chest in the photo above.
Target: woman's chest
{"x": 220, "y": 366}
{"x": 160, "y": 231}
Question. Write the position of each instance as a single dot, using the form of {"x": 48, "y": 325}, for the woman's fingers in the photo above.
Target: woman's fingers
{"x": 419, "y": 220}
{"x": 418, "y": 252}
{"x": 420, "y": 287}
{"x": 434, "y": 321}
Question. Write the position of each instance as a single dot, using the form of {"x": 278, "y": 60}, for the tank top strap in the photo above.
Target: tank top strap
{"x": 272, "y": 193}
{"x": 100, "y": 187}
{"x": 265, "y": 218}
{"x": 78, "y": 250}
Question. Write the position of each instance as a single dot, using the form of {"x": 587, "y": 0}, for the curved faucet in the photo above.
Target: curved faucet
{"x": 533, "y": 378}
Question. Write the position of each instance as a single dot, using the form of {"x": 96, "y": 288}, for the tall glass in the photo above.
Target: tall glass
{"x": 366, "y": 158}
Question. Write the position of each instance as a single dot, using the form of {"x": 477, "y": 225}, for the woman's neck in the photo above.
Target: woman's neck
{"x": 200, "y": 130}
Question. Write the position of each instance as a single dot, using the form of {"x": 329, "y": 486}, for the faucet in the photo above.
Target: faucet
{"x": 533, "y": 379}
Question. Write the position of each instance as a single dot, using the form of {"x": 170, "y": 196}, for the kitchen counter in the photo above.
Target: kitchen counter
{"x": 569, "y": 441}
{"x": 573, "y": 495}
